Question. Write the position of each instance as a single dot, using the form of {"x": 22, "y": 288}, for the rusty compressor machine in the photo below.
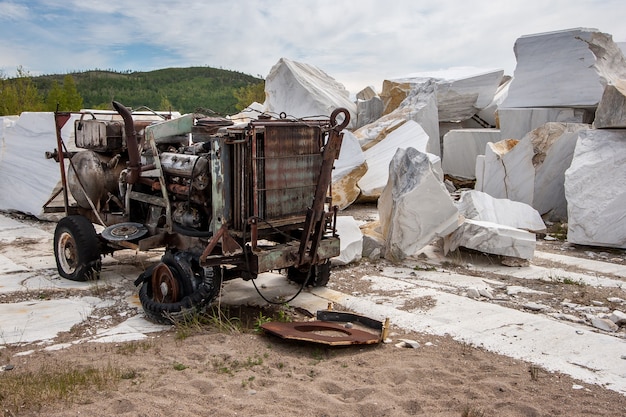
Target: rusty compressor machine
{"x": 223, "y": 201}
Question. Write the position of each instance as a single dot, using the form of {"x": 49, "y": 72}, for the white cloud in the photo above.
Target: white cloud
{"x": 358, "y": 43}
{"x": 12, "y": 11}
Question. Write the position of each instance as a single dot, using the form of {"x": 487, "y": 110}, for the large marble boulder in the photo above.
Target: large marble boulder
{"x": 415, "y": 206}
{"x": 477, "y": 205}
{"x": 303, "y": 90}
{"x": 348, "y": 170}
{"x": 594, "y": 189}
{"x": 516, "y": 123}
{"x": 553, "y": 148}
{"x": 378, "y": 157}
{"x": 461, "y": 92}
{"x": 506, "y": 170}
{"x": 567, "y": 68}
{"x": 461, "y": 147}
{"x": 611, "y": 112}
{"x": 492, "y": 238}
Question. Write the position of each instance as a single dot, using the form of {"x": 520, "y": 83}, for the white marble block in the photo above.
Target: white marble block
{"x": 351, "y": 241}
{"x": 567, "y": 68}
{"x": 303, "y": 90}
{"x": 553, "y": 147}
{"x": 477, "y": 205}
{"x": 461, "y": 92}
{"x": 378, "y": 157}
{"x": 461, "y": 147}
{"x": 595, "y": 189}
{"x": 516, "y": 123}
{"x": 507, "y": 171}
{"x": 369, "y": 106}
{"x": 490, "y": 113}
{"x": 348, "y": 170}
{"x": 415, "y": 206}
{"x": 611, "y": 112}
{"x": 492, "y": 238}
{"x": 420, "y": 106}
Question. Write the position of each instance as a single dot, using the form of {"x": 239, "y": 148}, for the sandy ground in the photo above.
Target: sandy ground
{"x": 208, "y": 370}
{"x": 247, "y": 374}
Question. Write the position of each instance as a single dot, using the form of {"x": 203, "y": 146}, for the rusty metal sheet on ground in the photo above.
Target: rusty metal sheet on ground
{"x": 334, "y": 334}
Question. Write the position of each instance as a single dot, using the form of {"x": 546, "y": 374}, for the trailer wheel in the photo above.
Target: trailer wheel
{"x": 168, "y": 294}
{"x": 317, "y": 276}
{"x": 77, "y": 249}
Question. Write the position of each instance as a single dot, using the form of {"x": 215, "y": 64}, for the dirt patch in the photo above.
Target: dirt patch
{"x": 232, "y": 374}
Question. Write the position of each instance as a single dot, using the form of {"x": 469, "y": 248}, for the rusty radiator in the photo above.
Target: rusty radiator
{"x": 275, "y": 173}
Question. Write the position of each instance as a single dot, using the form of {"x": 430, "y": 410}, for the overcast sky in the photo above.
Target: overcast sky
{"x": 357, "y": 42}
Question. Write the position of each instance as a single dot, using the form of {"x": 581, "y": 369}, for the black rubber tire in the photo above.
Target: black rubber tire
{"x": 77, "y": 249}
{"x": 194, "y": 299}
{"x": 317, "y": 276}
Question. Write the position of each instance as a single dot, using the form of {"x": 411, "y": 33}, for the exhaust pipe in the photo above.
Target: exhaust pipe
{"x": 131, "y": 143}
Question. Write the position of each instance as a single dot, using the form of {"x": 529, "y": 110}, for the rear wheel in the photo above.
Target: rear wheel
{"x": 315, "y": 276}
{"x": 176, "y": 288}
{"x": 77, "y": 249}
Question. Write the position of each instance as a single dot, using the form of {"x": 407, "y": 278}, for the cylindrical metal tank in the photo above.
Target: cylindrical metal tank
{"x": 97, "y": 173}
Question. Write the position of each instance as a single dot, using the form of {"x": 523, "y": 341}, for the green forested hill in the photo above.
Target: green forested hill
{"x": 184, "y": 89}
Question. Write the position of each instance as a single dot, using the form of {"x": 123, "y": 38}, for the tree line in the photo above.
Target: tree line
{"x": 186, "y": 90}
{"x": 21, "y": 94}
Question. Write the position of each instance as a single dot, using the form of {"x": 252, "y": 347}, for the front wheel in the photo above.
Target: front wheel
{"x": 77, "y": 249}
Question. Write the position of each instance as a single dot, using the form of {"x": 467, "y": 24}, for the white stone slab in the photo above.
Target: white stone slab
{"x": 553, "y": 145}
{"x": 567, "y": 68}
{"x": 350, "y": 241}
{"x": 506, "y": 171}
{"x": 135, "y": 328}
{"x": 378, "y": 157}
{"x": 303, "y": 90}
{"x": 29, "y": 321}
{"x": 492, "y": 238}
{"x": 517, "y": 123}
{"x": 594, "y": 189}
{"x": 461, "y": 147}
{"x": 415, "y": 206}
{"x": 477, "y": 205}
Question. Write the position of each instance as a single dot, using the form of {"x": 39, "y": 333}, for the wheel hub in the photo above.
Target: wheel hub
{"x": 69, "y": 256}
{"x": 165, "y": 287}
